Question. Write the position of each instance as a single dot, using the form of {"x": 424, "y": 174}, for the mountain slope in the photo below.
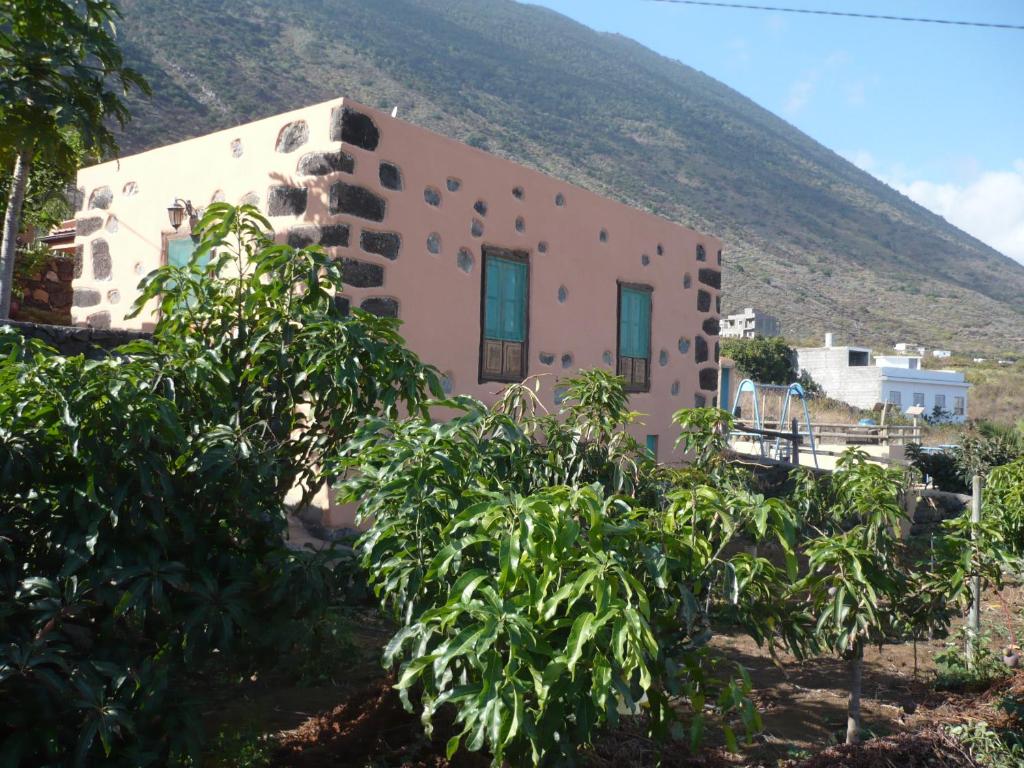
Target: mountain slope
{"x": 809, "y": 236}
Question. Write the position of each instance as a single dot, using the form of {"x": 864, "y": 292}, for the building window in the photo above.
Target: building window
{"x": 652, "y": 446}
{"x": 958, "y": 406}
{"x": 180, "y": 250}
{"x": 895, "y": 398}
{"x": 940, "y": 402}
{"x": 635, "y": 336}
{"x": 504, "y": 319}
{"x": 919, "y": 399}
{"x": 857, "y": 357}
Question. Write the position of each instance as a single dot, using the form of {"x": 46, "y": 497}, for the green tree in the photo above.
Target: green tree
{"x": 143, "y": 498}
{"x": 766, "y": 361}
{"x": 60, "y": 68}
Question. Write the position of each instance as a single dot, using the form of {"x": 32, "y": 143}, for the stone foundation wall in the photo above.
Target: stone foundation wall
{"x": 933, "y": 507}
{"x": 94, "y": 343}
{"x": 46, "y": 297}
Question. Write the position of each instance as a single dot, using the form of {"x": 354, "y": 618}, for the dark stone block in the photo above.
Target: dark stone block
{"x": 300, "y": 237}
{"x": 520, "y": 224}
{"x": 684, "y": 344}
{"x": 687, "y": 280}
{"x": 292, "y": 136}
{"x": 85, "y": 227}
{"x": 719, "y": 257}
{"x": 703, "y": 301}
{"x": 101, "y": 197}
{"x": 361, "y": 274}
{"x": 390, "y": 176}
{"x": 518, "y": 193}
{"x": 352, "y": 127}
{"x": 334, "y": 234}
{"x": 434, "y": 243}
{"x": 663, "y": 358}
{"x": 78, "y": 198}
{"x": 567, "y": 360}
{"x": 323, "y": 163}
{"x": 98, "y": 320}
{"x": 465, "y": 260}
{"x": 386, "y": 244}
{"x": 342, "y": 303}
{"x": 79, "y": 260}
{"x": 563, "y": 294}
{"x": 709, "y": 379}
{"x": 606, "y": 357}
{"x": 382, "y": 306}
{"x": 431, "y": 196}
{"x": 710, "y": 277}
{"x": 700, "y": 349}
{"x": 476, "y": 229}
{"x": 236, "y": 148}
{"x": 357, "y": 201}
{"x": 286, "y": 201}
{"x": 718, "y": 351}
{"x": 718, "y": 304}
{"x": 660, "y": 250}
{"x": 702, "y": 255}
{"x": 699, "y": 401}
{"x": 645, "y": 259}
{"x": 710, "y": 326}
{"x": 86, "y": 297}
{"x": 94, "y": 343}
{"x": 603, "y": 236}
{"x": 454, "y": 185}
{"x": 675, "y": 388}
{"x": 480, "y": 207}
{"x": 101, "y": 266}
{"x": 542, "y": 246}
{"x": 546, "y": 358}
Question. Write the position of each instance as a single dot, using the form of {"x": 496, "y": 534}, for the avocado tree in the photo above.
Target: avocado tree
{"x": 859, "y": 571}
{"x": 60, "y": 68}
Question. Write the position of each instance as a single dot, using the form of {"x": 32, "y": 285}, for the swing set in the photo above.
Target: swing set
{"x": 774, "y": 444}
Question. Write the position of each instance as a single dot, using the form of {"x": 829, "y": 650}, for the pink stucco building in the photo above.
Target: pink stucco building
{"x": 497, "y": 272}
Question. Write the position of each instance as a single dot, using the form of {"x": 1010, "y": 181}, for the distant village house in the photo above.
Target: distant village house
{"x": 749, "y": 324}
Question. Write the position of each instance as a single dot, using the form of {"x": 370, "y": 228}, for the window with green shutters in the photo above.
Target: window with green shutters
{"x": 505, "y": 307}
{"x": 635, "y": 336}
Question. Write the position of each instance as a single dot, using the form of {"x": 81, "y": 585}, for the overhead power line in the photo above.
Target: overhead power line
{"x": 849, "y": 14}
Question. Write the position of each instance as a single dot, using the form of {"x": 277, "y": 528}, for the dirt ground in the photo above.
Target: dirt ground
{"x": 357, "y": 720}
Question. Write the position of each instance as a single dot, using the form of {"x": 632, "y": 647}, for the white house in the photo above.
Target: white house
{"x": 855, "y": 376}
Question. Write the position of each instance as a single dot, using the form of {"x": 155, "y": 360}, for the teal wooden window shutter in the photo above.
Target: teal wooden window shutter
{"x": 505, "y": 313}
{"x": 635, "y": 337}
{"x": 180, "y": 250}
{"x": 506, "y": 303}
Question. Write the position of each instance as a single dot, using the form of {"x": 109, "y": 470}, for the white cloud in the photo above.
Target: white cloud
{"x": 990, "y": 206}
{"x": 800, "y": 93}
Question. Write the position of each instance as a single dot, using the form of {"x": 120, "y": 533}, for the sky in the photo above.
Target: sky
{"x": 935, "y": 111}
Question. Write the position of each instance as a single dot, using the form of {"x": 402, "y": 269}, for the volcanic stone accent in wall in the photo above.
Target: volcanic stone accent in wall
{"x": 434, "y": 243}
{"x": 718, "y": 351}
{"x": 286, "y": 201}
{"x": 361, "y": 274}
{"x": 546, "y": 358}
{"x": 112, "y": 225}
{"x": 711, "y": 326}
{"x": 700, "y": 350}
{"x": 292, "y": 136}
{"x": 100, "y": 320}
{"x": 663, "y": 358}
{"x": 476, "y": 229}
{"x": 85, "y": 227}
{"x": 334, "y": 234}
{"x": 300, "y": 237}
{"x": 79, "y": 260}
{"x": 85, "y": 297}
{"x": 645, "y": 260}
{"x": 702, "y": 255}
{"x": 699, "y": 401}
{"x": 567, "y": 360}
{"x": 710, "y": 276}
{"x": 236, "y": 148}
{"x": 480, "y": 207}
{"x": 101, "y": 266}
{"x": 703, "y": 301}
{"x": 386, "y": 244}
{"x": 69, "y": 340}
{"x": 709, "y": 379}
{"x": 675, "y": 388}
{"x": 390, "y": 176}
{"x": 78, "y": 198}
{"x": 382, "y": 306}
{"x": 101, "y": 197}
{"x": 357, "y": 201}
{"x": 606, "y": 357}
{"x": 684, "y": 344}
{"x": 352, "y": 127}
{"x": 465, "y": 260}
{"x": 342, "y": 303}
{"x": 323, "y": 163}
{"x": 687, "y": 280}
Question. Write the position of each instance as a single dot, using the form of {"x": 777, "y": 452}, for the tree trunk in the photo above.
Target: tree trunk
{"x": 12, "y": 221}
{"x": 853, "y": 710}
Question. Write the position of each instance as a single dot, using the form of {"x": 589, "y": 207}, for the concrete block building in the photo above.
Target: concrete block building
{"x": 749, "y": 324}
{"x": 497, "y": 272}
{"x": 855, "y": 376}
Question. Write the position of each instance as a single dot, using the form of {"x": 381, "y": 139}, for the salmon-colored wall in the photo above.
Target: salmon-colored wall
{"x": 439, "y": 302}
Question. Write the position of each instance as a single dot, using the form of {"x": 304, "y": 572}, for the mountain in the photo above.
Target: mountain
{"x": 810, "y": 237}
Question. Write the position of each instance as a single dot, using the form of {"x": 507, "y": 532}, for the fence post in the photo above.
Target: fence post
{"x": 796, "y": 443}
{"x": 974, "y": 618}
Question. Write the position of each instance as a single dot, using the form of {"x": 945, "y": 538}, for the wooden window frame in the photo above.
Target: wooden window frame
{"x": 630, "y": 386}
{"x": 522, "y": 257}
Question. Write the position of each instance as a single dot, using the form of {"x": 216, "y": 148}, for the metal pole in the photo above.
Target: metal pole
{"x": 974, "y": 618}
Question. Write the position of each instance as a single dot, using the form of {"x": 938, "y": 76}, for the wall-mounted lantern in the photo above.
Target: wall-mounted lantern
{"x": 177, "y": 211}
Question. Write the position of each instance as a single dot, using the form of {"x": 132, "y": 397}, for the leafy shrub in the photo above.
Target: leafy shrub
{"x": 768, "y": 361}
{"x": 1004, "y": 503}
{"x": 142, "y": 497}
{"x": 984, "y": 449}
{"x": 953, "y": 672}
{"x": 989, "y": 747}
{"x": 532, "y": 595}
{"x": 942, "y": 467}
